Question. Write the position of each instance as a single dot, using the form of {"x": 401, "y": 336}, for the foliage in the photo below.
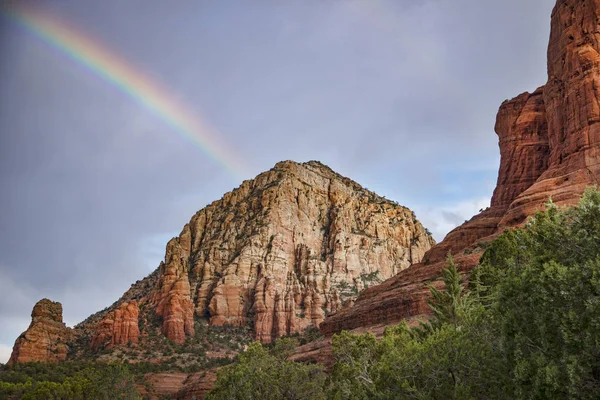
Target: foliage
{"x": 452, "y": 356}
{"x": 446, "y": 305}
{"x": 542, "y": 287}
{"x": 529, "y": 328}
{"x": 263, "y": 374}
{"x": 32, "y": 381}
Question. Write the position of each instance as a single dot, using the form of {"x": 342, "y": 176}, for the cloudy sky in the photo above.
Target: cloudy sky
{"x": 399, "y": 95}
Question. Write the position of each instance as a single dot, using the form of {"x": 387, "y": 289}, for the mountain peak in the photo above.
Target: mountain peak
{"x": 276, "y": 255}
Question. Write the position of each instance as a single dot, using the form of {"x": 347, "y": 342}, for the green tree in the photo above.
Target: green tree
{"x": 260, "y": 374}
{"x": 542, "y": 287}
{"x": 448, "y": 306}
{"x": 354, "y": 373}
{"x": 67, "y": 381}
{"x": 452, "y": 356}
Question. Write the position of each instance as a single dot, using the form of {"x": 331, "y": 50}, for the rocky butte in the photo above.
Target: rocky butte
{"x": 46, "y": 338}
{"x": 550, "y": 148}
{"x": 279, "y": 254}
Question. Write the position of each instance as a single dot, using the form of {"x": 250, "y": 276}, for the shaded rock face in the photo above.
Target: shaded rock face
{"x": 173, "y": 296}
{"x": 179, "y": 385}
{"x": 550, "y": 148}
{"x": 46, "y": 338}
{"x": 573, "y": 111}
{"x": 524, "y": 151}
{"x": 118, "y": 327}
{"x": 282, "y": 251}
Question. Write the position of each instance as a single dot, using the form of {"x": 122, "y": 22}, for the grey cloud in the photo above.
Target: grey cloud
{"x": 453, "y": 218}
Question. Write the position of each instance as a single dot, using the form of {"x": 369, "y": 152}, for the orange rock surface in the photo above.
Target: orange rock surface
{"x": 118, "y": 327}
{"x": 573, "y": 111}
{"x": 550, "y": 148}
{"x": 178, "y": 385}
{"x": 172, "y": 295}
{"x": 46, "y": 338}
{"x": 282, "y": 251}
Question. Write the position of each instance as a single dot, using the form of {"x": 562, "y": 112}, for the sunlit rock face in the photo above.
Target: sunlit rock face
{"x": 279, "y": 254}
{"x": 46, "y": 339}
{"x": 118, "y": 327}
{"x": 282, "y": 251}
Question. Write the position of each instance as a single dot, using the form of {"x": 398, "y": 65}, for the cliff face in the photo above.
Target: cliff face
{"x": 278, "y": 253}
{"x": 282, "y": 251}
{"x": 573, "y": 111}
{"x": 118, "y": 327}
{"x": 46, "y": 338}
{"x": 550, "y": 147}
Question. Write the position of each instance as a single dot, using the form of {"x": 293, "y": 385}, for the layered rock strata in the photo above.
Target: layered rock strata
{"x": 571, "y": 98}
{"x": 118, "y": 327}
{"x": 282, "y": 251}
{"x": 46, "y": 339}
{"x": 278, "y": 253}
{"x": 550, "y": 148}
{"x": 178, "y": 385}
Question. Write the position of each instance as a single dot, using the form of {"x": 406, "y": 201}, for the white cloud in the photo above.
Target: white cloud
{"x": 441, "y": 220}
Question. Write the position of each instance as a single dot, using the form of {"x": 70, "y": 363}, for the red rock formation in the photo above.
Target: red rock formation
{"x": 571, "y": 98}
{"x": 550, "y": 147}
{"x": 522, "y": 133}
{"x": 173, "y": 295}
{"x": 46, "y": 338}
{"x": 523, "y": 138}
{"x": 281, "y": 251}
{"x": 118, "y": 327}
{"x": 197, "y": 385}
{"x": 179, "y": 385}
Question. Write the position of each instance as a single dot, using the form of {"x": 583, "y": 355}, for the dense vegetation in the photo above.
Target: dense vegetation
{"x": 265, "y": 374}
{"x": 528, "y": 328}
{"x": 68, "y": 380}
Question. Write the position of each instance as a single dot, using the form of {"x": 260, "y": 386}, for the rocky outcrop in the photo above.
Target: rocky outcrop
{"x": 550, "y": 148}
{"x": 279, "y": 253}
{"x": 178, "y": 385}
{"x": 197, "y": 385}
{"x": 46, "y": 338}
{"x": 172, "y": 296}
{"x": 571, "y": 98}
{"x": 282, "y": 251}
{"x": 522, "y": 130}
{"x": 524, "y": 151}
{"x": 118, "y": 327}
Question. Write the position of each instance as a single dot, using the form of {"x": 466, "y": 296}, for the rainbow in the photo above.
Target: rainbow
{"x": 130, "y": 80}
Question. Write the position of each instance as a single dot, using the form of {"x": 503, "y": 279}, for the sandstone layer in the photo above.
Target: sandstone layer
{"x": 118, "y": 327}
{"x": 571, "y": 100}
{"x": 178, "y": 385}
{"x": 279, "y": 253}
{"x": 46, "y": 338}
{"x": 550, "y": 148}
{"x": 282, "y": 251}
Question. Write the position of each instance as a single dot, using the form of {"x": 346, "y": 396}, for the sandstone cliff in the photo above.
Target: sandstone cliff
{"x": 118, "y": 327}
{"x": 282, "y": 251}
{"x": 46, "y": 338}
{"x": 550, "y": 147}
{"x": 278, "y": 253}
